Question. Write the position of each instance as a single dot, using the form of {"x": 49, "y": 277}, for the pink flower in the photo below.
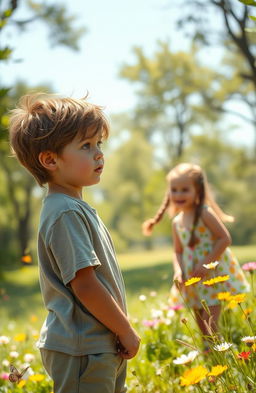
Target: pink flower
{"x": 176, "y": 307}
{"x": 249, "y": 266}
{"x": 4, "y": 376}
{"x": 150, "y": 322}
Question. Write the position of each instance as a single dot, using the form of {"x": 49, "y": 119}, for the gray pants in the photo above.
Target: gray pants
{"x": 97, "y": 373}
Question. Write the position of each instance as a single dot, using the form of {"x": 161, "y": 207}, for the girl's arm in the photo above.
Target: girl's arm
{"x": 177, "y": 255}
{"x": 220, "y": 234}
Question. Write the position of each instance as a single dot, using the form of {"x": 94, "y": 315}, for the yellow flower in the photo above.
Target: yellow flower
{"x": 247, "y": 311}
{"x": 216, "y": 280}
{"x": 21, "y": 383}
{"x": 192, "y": 280}
{"x": 217, "y": 370}
{"x": 232, "y": 304}
{"x": 223, "y": 295}
{"x": 239, "y": 298}
{"x": 36, "y": 377}
{"x": 20, "y": 337}
{"x": 193, "y": 376}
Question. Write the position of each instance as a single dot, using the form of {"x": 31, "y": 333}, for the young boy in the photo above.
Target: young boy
{"x": 86, "y": 337}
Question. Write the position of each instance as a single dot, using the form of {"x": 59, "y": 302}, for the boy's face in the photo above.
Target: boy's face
{"x": 80, "y": 163}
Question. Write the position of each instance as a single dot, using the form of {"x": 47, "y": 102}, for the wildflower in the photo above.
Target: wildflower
{"x": 26, "y": 259}
{"x": 20, "y": 337}
{"x": 21, "y": 383}
{"x": 6, "y": 363}
{"x": 36, "y": 377}
{"x": 249, "y": 267}
{"x": 153, "y": 293}
{"x": 192, "y": 281}
{"x": 176, "y": 307}
{"x": 244, "y": 355}
{"x": 246, "y": 312}
{"x": 14, "y": 354}
{"x": 239, "y": 298}
{"x": 142, "y": 298}
{"x": 217, "y": 370}
{"x": 33, "y": 318}
{"x": 223, "y": 295}
{"x": 216, "y": 280}
{"x": 156, "y": 313}
{"x": 29, "y": 357}
{"x": 184, "y": 359}
{"x": 4, "y": 376}
{"x": 150, "y": 322}
{"x": 193, "y": 376}
{"x": 222, "y": 347}
{"x": 249, "y": 340}
{"x": 211, "y": 265}
{"x": 4, "y": 340}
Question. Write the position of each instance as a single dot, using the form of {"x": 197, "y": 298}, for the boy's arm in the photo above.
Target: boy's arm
{"x": 98, "y": 301}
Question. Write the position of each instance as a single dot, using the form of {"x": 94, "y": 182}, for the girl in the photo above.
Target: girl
{"x": 199, "y": 238}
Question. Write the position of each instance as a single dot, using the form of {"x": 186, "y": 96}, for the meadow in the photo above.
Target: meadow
{"x": 171, "y": 358}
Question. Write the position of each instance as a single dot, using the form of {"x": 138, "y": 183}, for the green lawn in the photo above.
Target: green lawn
{"x": 143, "y": 272}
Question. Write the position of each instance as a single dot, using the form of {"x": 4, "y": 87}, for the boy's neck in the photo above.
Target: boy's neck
{"x": 54, "y": 188}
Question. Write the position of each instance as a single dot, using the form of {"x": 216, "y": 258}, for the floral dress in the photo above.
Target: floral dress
{"x": 228, "y": 265}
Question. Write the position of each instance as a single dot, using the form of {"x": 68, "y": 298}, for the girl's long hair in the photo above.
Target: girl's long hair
{"x": 204, "y": 197}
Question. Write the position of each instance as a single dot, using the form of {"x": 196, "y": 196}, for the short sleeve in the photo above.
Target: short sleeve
{"x": 71, "y": 245}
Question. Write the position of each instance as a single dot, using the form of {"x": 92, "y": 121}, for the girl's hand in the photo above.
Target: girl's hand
{"x": 177, "y": 277}
{"x": 199, "y": 271}
{"x": 147, "y": 227}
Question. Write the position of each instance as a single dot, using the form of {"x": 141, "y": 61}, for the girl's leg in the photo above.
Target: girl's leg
{"x": 212, "y": 320}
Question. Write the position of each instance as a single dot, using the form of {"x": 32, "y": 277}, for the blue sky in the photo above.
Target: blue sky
{"x": 114, "y": 27}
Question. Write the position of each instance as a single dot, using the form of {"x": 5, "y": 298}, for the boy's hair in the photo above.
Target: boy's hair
{"x": 44, "y": 122}
{"x": 204, "y": 196}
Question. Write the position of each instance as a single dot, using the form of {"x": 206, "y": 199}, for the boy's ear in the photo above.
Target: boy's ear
{"x": 48, "y": 160}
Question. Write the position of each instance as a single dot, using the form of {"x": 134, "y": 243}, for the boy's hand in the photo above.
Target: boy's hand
{"x": 128, "y": 345}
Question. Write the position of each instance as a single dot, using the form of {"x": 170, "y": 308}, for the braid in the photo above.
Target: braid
{"x": 148, "y": 225}
{"x": 198, "y": 210}
{"x": 163, "y": 207}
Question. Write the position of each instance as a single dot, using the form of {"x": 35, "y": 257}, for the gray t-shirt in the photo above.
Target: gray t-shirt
{"x": 72, "y": 237}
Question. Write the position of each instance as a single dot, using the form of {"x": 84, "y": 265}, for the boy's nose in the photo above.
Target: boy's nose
{"x": 98, "y": 154}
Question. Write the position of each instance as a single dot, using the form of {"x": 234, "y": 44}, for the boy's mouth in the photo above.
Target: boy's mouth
{"x": 99, "y": 169}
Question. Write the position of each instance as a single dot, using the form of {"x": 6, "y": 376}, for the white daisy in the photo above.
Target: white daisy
{"x": 4, "y": 340}
{"x": 183, "y": 359}
{"x": 249, "y": 339}
{"x": 211, "y": 265}
{"x": 222, "y": 347}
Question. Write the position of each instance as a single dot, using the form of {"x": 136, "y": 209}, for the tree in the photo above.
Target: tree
{"x": 19, "y": 185}
{"x": 172, "y": 88}
{"x": 225, "y": 26}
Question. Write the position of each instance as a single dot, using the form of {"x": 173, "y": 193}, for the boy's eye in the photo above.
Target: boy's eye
{"x": 86, "y": 146}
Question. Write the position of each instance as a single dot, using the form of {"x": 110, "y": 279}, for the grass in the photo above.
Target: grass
{"x": 147, "y": 273}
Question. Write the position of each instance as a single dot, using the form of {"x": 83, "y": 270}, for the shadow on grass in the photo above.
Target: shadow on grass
{"x": 153, "y": 278}
{"x": 23, "y": 300}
